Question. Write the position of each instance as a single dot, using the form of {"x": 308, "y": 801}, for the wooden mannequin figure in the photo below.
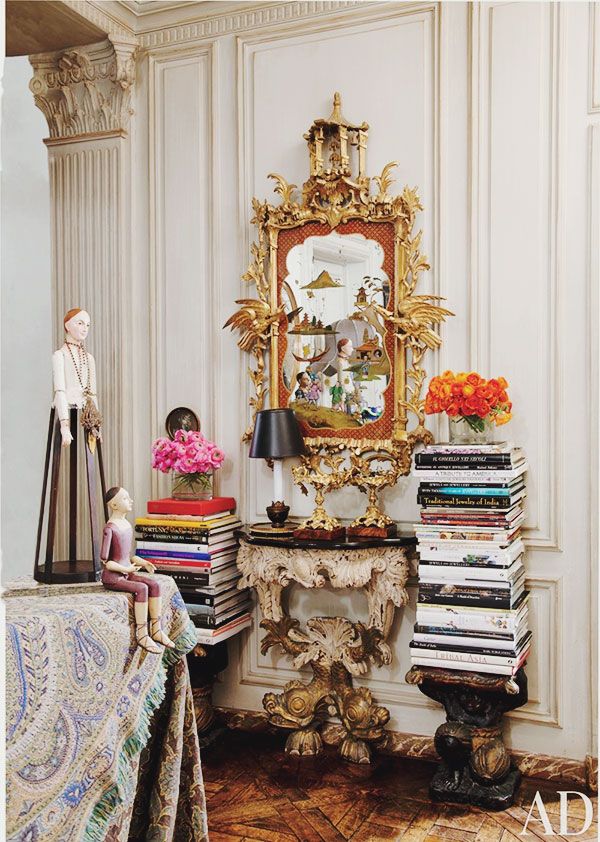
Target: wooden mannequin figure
{"x": 74, "y": 377}
{"x": 119, "y": 572}
{"x": 74, "y": 406}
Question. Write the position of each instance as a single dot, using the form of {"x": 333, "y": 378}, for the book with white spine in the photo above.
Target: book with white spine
{"x": 474, "y": 621}
{"x": 451, "y": 656}
{"x": 508, "y": 642}
{"x": 208, "y": 637}
{"x": 464, "y": 666}
{"x": 469, "y": 552}
{"x": 427, "y": 474}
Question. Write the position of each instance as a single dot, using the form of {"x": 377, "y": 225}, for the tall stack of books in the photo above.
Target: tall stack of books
{"x": 472, "y": 604}
{"x": 193, "y": 541}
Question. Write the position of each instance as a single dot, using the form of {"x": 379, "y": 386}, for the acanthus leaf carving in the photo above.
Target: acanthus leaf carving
{"x": 336, "y": 648}
{"x": 86, "y": 90}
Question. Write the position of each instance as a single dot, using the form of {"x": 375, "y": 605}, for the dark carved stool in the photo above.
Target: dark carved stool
{"x": 205, "y": 663}
{"x": 476, "y": 767}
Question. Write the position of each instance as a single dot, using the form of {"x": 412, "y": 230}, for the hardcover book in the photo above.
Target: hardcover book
{"x": 474, "y": 501}
{"x": 205, "y": 621}
{"x": 208, "y": 637}
{"x": 203, "y": 508}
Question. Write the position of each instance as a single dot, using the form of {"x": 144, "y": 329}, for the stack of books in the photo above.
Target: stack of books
{"x": 193, "y": 541}
{"x": 472, "y": 604}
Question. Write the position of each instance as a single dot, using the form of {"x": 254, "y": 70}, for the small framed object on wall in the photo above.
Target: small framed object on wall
{"x": 181, "y": 418}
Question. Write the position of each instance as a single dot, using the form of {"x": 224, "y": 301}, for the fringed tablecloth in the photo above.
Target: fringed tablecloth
{"x": 101, "y": 738}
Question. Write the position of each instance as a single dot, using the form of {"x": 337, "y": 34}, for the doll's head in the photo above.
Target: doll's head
{"x": 118, "y": 500}
{"x": 77, "y": 324}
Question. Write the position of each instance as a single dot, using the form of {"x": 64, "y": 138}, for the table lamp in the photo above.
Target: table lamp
{"x": 276, "y": 436}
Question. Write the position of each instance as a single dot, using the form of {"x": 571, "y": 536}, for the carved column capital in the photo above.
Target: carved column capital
{"x": 86, "y": 90}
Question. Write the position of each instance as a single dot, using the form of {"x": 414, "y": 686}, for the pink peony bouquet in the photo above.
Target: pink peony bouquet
{"x": 188, "y": 453}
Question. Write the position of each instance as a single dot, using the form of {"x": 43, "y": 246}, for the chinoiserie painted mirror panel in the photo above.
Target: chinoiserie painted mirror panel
{"x": 335, "y": 267}
{"x": 336, "y": 359}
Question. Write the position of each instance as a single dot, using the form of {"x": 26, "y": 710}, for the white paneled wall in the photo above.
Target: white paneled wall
{"x": 492, "y": 110}
{"x": 181, "y": 223}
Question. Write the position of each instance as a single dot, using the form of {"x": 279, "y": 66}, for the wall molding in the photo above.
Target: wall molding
{"x": 547, "y": 643}
{"x": 157, "y": 67}
{"x": 546, "y": 534}
{"x": 593, "y": 309}
{"x": 594, "y": 59}
{"x": 100, "y": 17}
{"x": 270, "y": 16}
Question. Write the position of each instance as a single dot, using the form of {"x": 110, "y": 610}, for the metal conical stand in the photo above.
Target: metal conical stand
{"x": 72, "y": 569}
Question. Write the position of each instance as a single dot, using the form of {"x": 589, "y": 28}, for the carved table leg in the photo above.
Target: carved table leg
{"x": 303, "y": 708}
{"x": 335, "y": 648}
{"x": 476, "y": 767}
{"x": 363, "y": 720}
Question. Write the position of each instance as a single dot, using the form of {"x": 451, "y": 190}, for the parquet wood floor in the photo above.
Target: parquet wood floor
{"x": 254, "y": 792}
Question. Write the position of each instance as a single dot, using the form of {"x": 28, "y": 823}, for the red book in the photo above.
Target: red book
{"x": 169, "y": 506}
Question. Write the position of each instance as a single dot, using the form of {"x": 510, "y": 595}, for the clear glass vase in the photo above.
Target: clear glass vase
{"x": 197, "y": 486}
{"x": 470, "y": 429}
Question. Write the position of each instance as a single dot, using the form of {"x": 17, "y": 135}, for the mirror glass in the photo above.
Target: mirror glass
{"x": 336, "y": 367}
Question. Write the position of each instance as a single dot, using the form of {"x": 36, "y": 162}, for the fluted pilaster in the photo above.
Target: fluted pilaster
{"x": 85, "y": 94}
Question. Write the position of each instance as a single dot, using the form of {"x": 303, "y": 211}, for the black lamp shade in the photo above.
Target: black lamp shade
{"x": 276, "y": 435}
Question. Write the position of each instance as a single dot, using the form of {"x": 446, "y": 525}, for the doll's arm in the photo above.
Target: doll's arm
{"x": 116, "y": 567}
{"x": 60, "y": 396}
{"x": 143, "y": 564}
{"x": 106, "y": 542}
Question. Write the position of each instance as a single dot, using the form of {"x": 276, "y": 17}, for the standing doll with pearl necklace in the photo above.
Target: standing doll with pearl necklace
{"x": 74, "y": 397}
{"x": 74, "y": 378}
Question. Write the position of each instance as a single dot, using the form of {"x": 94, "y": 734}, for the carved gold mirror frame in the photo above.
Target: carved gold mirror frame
{"x": 336, "y": 200}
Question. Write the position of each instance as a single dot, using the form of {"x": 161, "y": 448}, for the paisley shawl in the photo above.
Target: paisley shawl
{"x": 81, "y": 701}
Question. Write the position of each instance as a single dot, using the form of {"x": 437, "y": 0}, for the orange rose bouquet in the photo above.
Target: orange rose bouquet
{"x": 468, "y": 397}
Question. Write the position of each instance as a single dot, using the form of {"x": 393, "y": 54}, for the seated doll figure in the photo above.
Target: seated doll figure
{"x": 119, "y": 572}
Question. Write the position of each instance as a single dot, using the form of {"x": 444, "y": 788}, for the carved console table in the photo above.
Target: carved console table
{"x": 336, "y": 648}
{"x": 476, "y": 767}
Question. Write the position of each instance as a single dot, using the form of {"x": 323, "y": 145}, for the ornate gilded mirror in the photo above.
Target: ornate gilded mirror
{"x": 335, "y": 268}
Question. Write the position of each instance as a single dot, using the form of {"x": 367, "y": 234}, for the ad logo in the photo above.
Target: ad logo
{"x": 563, "y": 828}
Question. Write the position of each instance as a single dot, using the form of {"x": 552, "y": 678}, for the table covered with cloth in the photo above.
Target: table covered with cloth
{"x": 101, "y": 741}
